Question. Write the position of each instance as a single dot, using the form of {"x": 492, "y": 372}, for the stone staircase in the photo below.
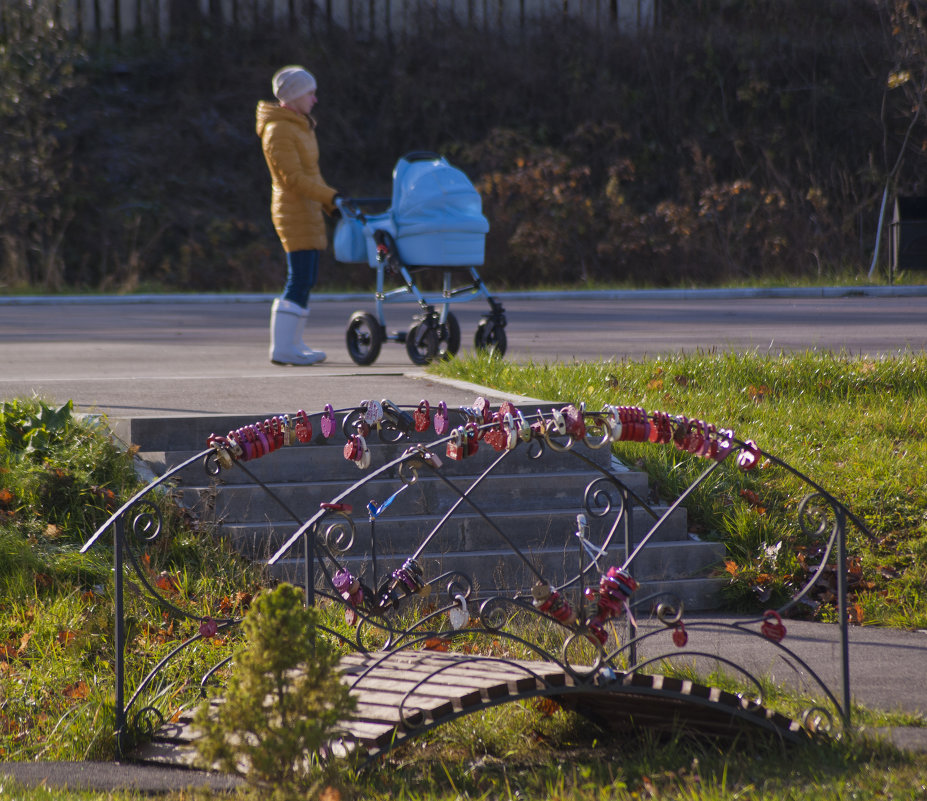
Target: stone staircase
{"x": 535, "y": 503}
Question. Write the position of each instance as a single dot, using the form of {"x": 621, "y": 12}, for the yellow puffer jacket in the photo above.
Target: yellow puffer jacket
{"x": 299, "y": 190}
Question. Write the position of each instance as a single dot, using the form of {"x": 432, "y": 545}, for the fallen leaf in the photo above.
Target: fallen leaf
{"x": 167, "y": 583}
{"x": 546, "y": 706}
{"x": 78, "y": 691}
{"x": 24, "y": 643}
{"x": 66, "y": 636}
{"x": 730, "y": 567}
{"x": 6, "y": 497}
{"x": 52, "y": 532}
{"x": 436, "y": 644}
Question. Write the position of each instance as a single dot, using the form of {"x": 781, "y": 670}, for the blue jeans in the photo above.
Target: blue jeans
{"x": 302, "y": 270}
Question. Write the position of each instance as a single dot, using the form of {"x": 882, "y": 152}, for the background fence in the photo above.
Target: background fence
{"x": 363, "y": 18}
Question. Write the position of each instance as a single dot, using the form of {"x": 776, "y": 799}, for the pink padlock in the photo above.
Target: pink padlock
{"x": 440, "y": 419}
{"x": 328, "y": 424}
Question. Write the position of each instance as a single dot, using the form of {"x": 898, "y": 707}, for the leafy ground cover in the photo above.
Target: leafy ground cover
{"x": 854, "y": 425}
{"x": 60, "y": 477}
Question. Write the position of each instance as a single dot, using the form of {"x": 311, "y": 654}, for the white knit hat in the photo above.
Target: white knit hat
{"x": 292, "y": 82}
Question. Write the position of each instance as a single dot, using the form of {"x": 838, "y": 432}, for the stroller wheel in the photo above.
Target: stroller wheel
{"x": 490, "y": 338}
{"x": 449, "y": 336}
{"x": 364, "y": 338}
{"x": 422, "y": 343}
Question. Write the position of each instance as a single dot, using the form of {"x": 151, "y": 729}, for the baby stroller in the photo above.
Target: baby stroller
{"x": 434, "y": 222}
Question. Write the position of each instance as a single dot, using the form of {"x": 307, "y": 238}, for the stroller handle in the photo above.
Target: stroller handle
{"x": 351, "y": 206}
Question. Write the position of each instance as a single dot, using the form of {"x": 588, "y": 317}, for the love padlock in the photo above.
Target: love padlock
{"x": 483, "y": 410}
{"x": 352, "y": 447}
{"x": 220, "y": 446}
{"x": 456, "y": 445}
{"x": 422, "y": 416}
{"x": 772, "y": 627}
{"x": 524, "y": 427}
{"x": 557, "y": 423}
{"x": 327, "y": 423}
{"x": 725, "y": 443}
{"x": 440, "y": 420}
{"x": 303, "y": 428}
{"x": 613, "y": 422}
{"x": 262, "y": 443}
{"x": 373, "y": 412}
{"x": 396, "y": 417}
{"x": 495, "y": 436}
{"x": 234, "y": 445}
{"x": 680, "y": 635}
{"x": 472, "y": 438}
{"x": 748, "y": 458}
{"x": 575, "y": 424}
{"x": 507, "y": 407}
{"x": 511, "y": 431}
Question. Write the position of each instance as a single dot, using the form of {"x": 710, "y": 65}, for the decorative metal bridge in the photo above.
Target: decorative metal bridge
{"x": 426, "y": 649}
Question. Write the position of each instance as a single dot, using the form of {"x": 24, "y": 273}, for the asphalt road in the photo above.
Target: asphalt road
{"x": 185, "y": 357}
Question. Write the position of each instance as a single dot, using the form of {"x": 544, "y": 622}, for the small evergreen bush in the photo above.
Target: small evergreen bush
{"x": 283, "y": 702}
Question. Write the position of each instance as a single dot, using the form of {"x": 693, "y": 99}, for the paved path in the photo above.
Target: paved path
{"x": 188, "y": 356}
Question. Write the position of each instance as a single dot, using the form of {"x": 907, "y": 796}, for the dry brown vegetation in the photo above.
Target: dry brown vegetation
{"x": 739, "y": 140}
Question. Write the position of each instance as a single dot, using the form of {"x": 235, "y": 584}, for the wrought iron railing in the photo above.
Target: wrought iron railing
{"x": 577, "y": 614}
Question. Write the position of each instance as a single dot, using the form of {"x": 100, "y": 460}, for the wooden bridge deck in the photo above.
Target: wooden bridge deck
{"x": 400, "y": 694}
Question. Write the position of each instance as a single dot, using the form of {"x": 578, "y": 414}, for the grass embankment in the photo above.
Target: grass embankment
{"x": 855, "y": 425}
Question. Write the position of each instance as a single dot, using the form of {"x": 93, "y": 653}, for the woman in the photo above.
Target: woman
{"x": 299, "y": 196}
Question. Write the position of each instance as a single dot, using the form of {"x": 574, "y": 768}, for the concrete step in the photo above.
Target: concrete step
{"x": 465, "y": 530}
{"x": 325, "y": 461}
{"x": 497, "y": 572}
{"x": 428, "y": 496}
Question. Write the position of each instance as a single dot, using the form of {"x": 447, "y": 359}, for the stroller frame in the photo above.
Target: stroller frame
{"x": 434, "y": 331}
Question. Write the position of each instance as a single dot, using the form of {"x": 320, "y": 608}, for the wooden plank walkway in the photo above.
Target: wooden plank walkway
{"x": 401, "y": 694}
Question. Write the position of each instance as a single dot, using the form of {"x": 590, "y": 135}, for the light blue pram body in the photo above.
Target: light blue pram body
{"x": 434, "y": 221}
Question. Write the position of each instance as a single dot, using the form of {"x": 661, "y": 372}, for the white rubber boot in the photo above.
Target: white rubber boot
{"x": 298, "y": 342}
{"x": 285, "y": 316}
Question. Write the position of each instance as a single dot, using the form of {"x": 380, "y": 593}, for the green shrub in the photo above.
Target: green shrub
{"x": 284, "y": 700}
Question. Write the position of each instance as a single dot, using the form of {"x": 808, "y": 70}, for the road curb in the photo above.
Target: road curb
{"x": 580, "y": 294}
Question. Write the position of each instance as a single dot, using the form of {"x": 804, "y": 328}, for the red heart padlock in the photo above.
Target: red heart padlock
{"x": 680, "y": 635}
{"x": 303, "y": 427}
{"x": 327, "y": 423}
{"x": 422, "y": 416}
{"x": 495, "y": 436}
{"x": 772, "y": 627}
{"x": 440, "y": 419}
{"x": 352, "y": 448}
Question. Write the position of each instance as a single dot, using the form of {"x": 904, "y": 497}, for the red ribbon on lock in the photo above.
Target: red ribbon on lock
{"x": 772, "y": 627}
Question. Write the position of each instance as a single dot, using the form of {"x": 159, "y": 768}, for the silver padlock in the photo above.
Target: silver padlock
{"x": 524, "y": 428}
{"x": 511, "y": 431}
{"x": 613, "y": 421}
